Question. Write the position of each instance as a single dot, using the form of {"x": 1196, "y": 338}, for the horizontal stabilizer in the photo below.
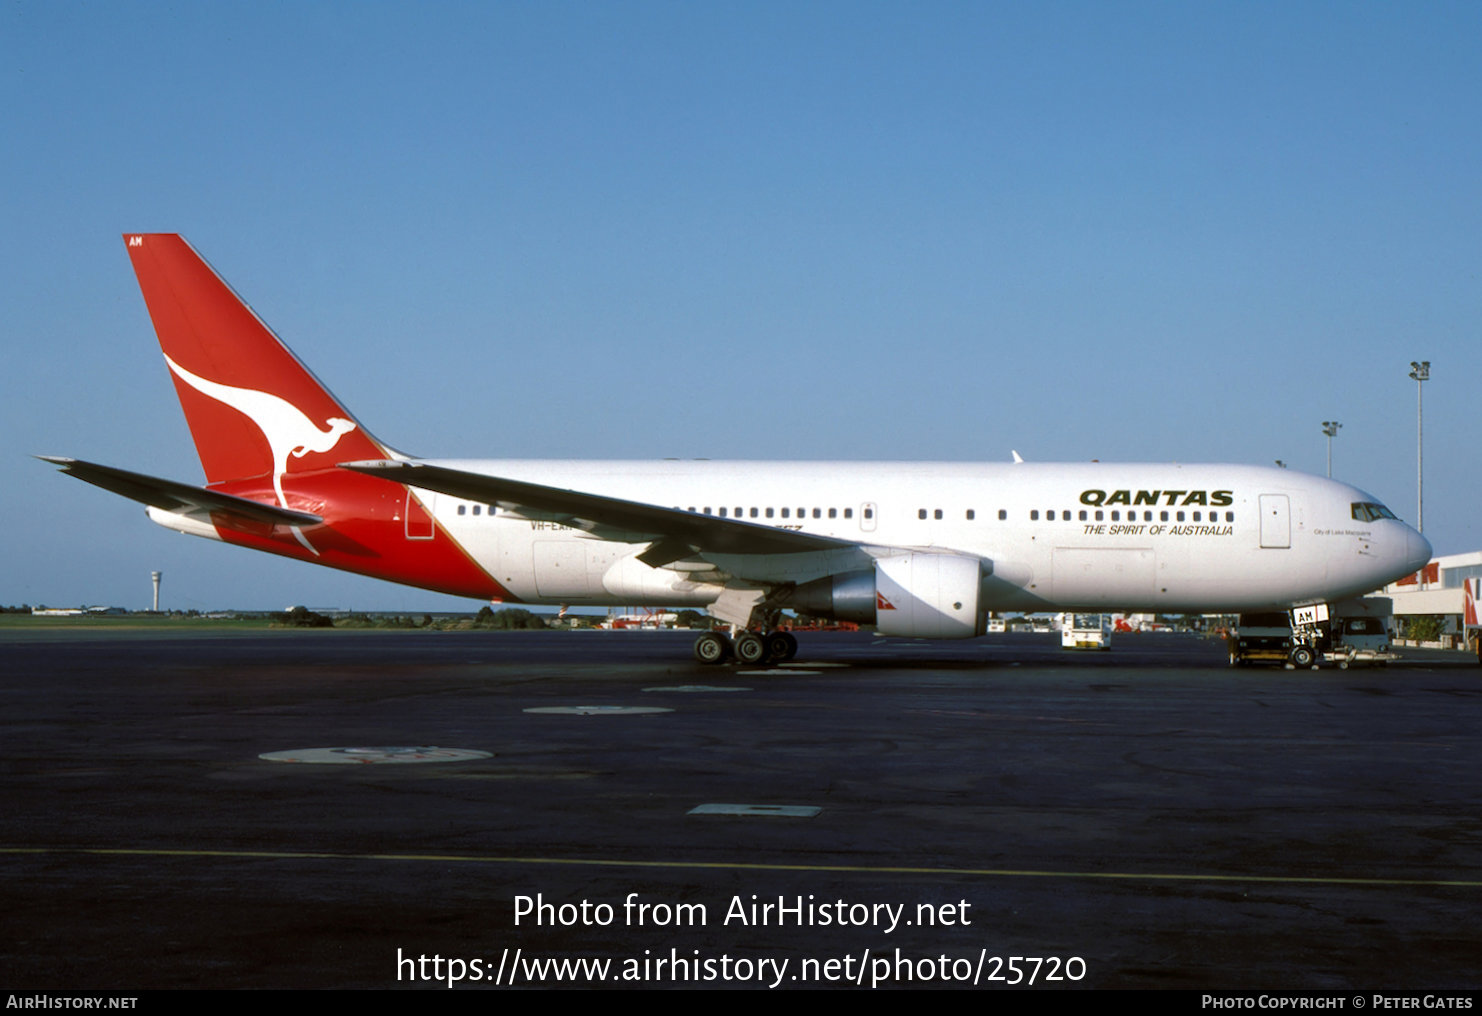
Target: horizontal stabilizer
{"x": 181, "y": 498}
{"x": 604, "y": 517}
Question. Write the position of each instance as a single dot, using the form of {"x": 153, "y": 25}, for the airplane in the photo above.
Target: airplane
{"x": 914, "y": 549}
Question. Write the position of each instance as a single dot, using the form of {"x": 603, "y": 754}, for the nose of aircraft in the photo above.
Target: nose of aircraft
{"x": 1417, "y": 550}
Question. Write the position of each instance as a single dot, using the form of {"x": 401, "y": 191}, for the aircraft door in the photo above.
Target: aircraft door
{"x": 1276, "y": 521}
{"x": 561, "y": 568}
{"x": 418, "y": 519}
{"x": 867, "y": 512}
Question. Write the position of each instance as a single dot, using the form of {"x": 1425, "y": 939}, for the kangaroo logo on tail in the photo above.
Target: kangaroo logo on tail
{"x": 287, "y": 430}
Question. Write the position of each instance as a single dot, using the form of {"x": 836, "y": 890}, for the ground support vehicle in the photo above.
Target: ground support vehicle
{"x": 1267, "y": 638}
{"x": 1085, "y": 631}
{"x": 1348, "y": 632}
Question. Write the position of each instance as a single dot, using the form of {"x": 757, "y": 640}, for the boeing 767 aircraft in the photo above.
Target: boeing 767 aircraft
{"x": 922, "y": 549}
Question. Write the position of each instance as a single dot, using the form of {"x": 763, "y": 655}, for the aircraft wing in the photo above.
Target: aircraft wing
{"x": 181, "y": 498}
{"x": 675, "y": 534}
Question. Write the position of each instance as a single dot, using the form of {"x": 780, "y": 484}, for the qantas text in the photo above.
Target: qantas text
{"x": 1171, "y": 498}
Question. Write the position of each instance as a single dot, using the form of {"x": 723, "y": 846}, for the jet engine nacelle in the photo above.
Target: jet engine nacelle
{"x": 917, "y": 594}
{"x": 932, "y": 596}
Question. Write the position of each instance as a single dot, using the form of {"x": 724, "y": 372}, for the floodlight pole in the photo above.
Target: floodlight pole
{"x": 1421, "y": 372}
{"x": 1330, "y": 428}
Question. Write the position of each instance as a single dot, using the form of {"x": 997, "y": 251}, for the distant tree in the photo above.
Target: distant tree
{"x": 1424, "y": 627}
{"x": 303, "y": 617}
{"x": 514, "y": 618}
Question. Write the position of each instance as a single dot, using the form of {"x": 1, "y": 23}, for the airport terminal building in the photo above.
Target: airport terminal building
{"x": 1437, "y": 589}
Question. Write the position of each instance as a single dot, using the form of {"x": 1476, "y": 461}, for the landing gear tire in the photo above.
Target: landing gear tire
{"x": 781, "y": 646}
{"x": 1302, "y": 657}
{"x": 712, "y": 647}
{"x": 750, "y": 648}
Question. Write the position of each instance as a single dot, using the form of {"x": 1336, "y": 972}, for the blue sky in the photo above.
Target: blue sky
{"x": 1135, "y": 231}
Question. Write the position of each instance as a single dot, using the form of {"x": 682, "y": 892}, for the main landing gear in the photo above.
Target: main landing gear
{"x": 750, "y": 648}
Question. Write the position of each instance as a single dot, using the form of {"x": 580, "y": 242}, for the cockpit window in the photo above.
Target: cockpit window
{"x": 1370, "y": 511}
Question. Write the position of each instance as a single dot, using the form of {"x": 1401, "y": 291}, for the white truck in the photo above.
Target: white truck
{"x": 1085, "y": 631}
{"x": 1267, "y": 637}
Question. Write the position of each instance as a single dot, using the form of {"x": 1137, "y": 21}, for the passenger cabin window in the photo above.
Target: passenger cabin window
{"x": 970, "y": 515}
{"x": 1003, "y": 513}
{"x": 1034, "y": 515}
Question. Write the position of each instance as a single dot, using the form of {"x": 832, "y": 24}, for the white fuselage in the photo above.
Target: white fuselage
{"x": 1170, "y": 538}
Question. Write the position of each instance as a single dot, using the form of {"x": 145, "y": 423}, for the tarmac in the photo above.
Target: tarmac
{"x": 878, "y": 813}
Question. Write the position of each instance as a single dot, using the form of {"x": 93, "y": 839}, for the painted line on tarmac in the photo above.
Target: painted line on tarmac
{"x": 864, "y": 869}
{"x": 759, "y": 810}
{"x": 389, "y": 754}
{"x": 599, "y": 710}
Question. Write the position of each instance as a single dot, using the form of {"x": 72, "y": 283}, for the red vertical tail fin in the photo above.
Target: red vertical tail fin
{"x": 254, "y": 410}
